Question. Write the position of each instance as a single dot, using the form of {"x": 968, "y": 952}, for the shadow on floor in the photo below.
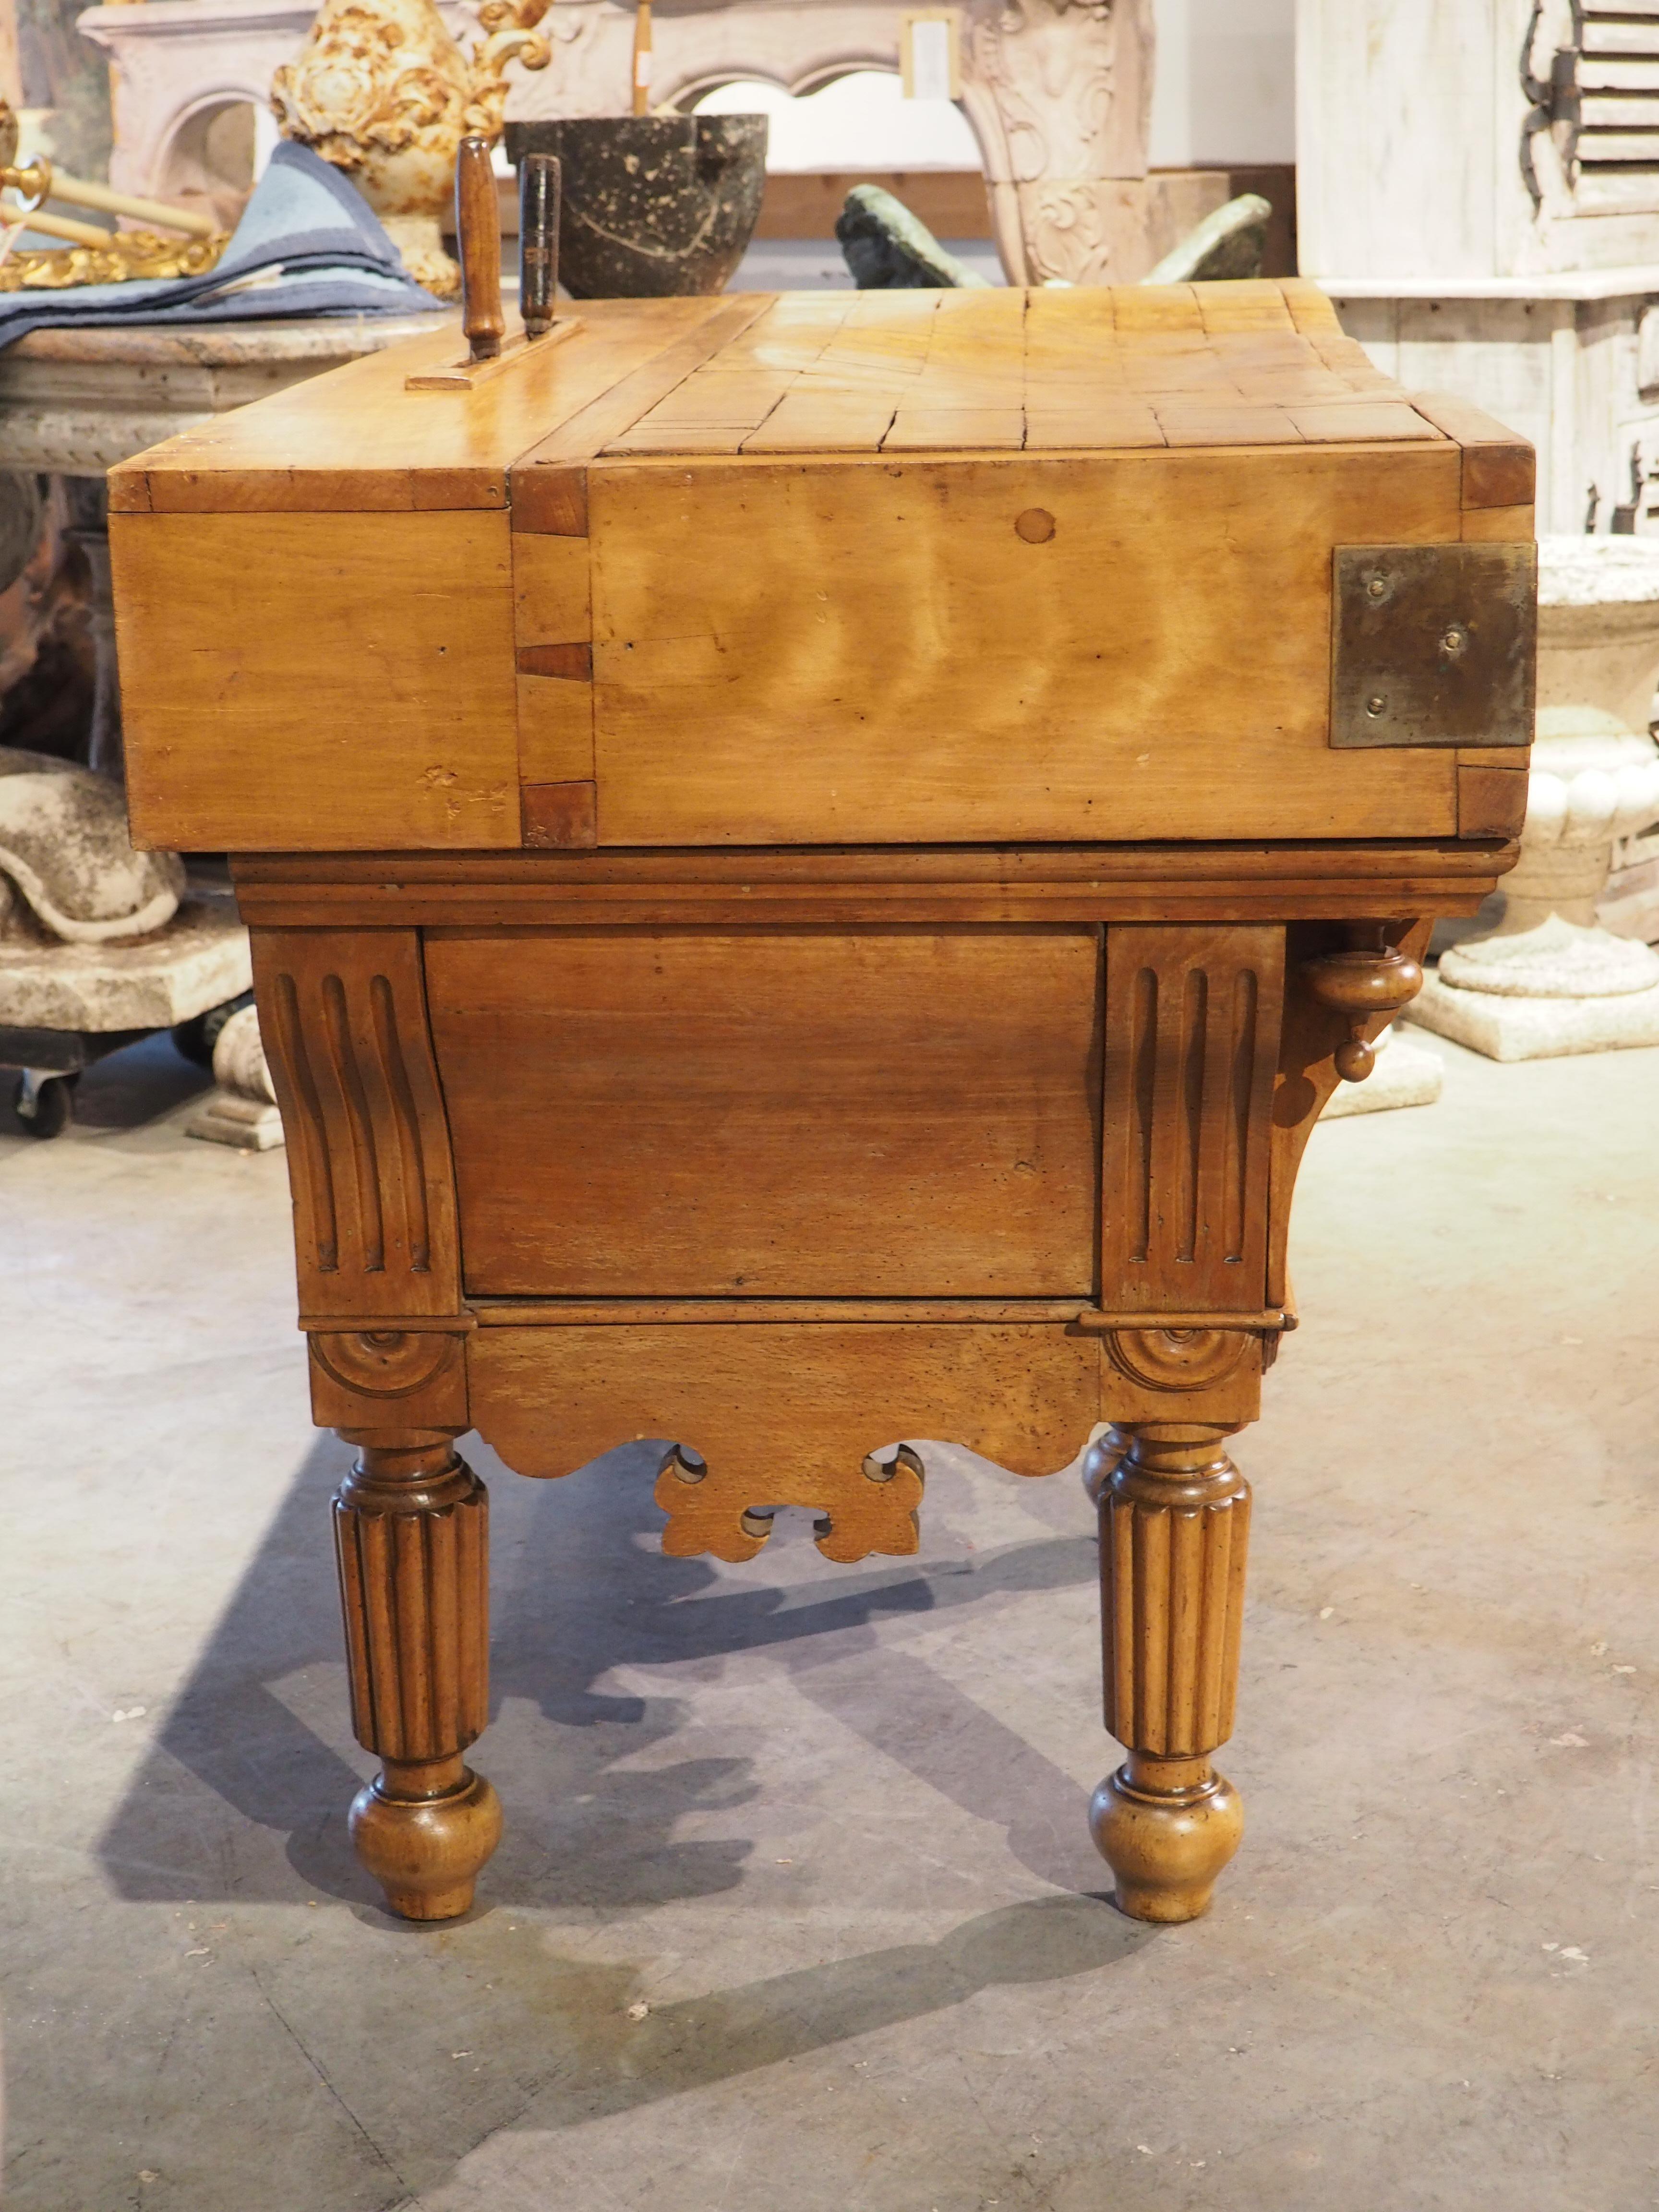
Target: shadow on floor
{"x": 579, "y": 1588}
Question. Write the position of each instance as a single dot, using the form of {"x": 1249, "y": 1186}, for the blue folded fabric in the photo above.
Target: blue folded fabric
{"x": 307, "y": 244}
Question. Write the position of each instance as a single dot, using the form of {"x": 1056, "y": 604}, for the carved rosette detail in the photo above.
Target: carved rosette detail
{"x": 382, "y": 1363}
{"x": 372, "y": 79}
{"x": 1176, "y": 1359}
{"x": 730, "y": 1513}
{"x": 412, "y": 1543}
{"x": 1175, "y": 1525}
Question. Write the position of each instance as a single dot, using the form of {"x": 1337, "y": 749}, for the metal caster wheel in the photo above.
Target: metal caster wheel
{"x": 43, "y": 1103}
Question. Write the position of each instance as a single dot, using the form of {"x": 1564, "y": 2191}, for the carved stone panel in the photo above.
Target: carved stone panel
{"x": 1072, "y": 82}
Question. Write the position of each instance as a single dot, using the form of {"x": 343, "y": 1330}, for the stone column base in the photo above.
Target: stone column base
{"x": 1537, "y": 1028}
{"x": 249, "y": 1125}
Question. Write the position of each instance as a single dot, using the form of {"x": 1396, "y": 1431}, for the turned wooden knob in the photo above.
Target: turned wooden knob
{"x": 478, "y": 230}
{"x": 1370, "y": 977}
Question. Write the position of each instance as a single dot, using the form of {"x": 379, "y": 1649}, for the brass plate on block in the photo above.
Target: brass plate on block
{"x": 1433, "y": 645}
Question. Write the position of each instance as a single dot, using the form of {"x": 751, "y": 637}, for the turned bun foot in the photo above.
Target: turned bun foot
{"x": 425, "y": 1852}
{"x": 1166, "y": 1828}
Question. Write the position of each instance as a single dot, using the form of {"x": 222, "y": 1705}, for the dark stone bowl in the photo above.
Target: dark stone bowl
{"x": 651, "y": 204}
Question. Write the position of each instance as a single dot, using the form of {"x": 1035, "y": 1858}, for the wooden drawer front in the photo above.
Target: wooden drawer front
{"x": 815, "y": 1113}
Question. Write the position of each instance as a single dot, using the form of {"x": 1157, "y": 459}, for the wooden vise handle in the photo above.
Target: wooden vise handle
{"x": 478, "y": 225}
{"x": 538, "y": 242}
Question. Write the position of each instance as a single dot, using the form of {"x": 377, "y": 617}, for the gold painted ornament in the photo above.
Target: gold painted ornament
{"x": 130, "y": 255}
{"x": 382, "y": 91}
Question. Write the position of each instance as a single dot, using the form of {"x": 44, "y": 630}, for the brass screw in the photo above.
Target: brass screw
{"x": 1377, "y": 588}
{"x": 1455, "y": 640}
{"x": 1376, "y": 705}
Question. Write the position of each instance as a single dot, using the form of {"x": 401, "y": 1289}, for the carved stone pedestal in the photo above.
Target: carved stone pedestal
{"x": 241, "y": 1111}
{"x": 1549, "y": 980}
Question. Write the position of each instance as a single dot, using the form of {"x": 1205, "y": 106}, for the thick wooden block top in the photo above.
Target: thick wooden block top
{"x": 825, "y": 569}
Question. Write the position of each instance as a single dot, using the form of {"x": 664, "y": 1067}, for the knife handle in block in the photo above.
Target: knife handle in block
{"x": 478, "y": 226}
{"x": 538, "y": 242}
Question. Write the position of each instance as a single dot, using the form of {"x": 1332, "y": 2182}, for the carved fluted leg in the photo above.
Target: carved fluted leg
{"x": 411, "y": 1533}
{"x": 1174, "y": 1520}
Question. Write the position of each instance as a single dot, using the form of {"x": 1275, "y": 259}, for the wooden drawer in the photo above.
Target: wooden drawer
{"x": 904, "y": 1112}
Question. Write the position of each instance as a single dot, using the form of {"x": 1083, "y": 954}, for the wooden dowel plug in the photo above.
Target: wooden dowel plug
{"x": 478, "y": 226}
{"x": 538, "y": 242}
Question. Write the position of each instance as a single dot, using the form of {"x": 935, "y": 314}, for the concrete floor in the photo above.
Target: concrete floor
{"x": 828, "y": 1825}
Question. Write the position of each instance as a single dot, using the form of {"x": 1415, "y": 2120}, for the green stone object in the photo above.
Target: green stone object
{"x": 888, "y": 250}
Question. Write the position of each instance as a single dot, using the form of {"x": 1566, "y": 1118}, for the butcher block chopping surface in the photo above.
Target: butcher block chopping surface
{"x": 865, "y": 569}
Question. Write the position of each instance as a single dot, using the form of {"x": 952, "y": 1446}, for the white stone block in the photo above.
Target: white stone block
{"x": 200, "y": 959}
{"x": 1537, "y": 1028}
{"x": 251, "y": 1125}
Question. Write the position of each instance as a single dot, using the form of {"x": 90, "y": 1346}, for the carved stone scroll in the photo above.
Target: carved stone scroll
{"x": 1072, "y": 85}
{"x": 343, "y": 1018}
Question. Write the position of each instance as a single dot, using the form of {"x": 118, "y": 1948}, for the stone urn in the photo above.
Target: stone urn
{"x": 1547, "y": 980}
{"x": 651, "y": 205}
{"x": 381, "y": 90}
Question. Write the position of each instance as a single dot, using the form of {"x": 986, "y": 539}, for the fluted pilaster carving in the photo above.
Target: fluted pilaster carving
{"x": 1174, "y": 1524}
{"x": 413, "y": 1544}
{"x": 343, "y": 1018}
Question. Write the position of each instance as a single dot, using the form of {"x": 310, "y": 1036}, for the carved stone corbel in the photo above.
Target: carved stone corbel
{"x": 1072, "y": 82}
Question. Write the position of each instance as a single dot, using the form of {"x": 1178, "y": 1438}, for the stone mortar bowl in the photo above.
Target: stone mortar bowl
{"x": 651, "y": 205}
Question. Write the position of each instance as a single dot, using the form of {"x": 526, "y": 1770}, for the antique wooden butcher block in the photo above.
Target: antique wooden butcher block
{"x": 813, "y": 861}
